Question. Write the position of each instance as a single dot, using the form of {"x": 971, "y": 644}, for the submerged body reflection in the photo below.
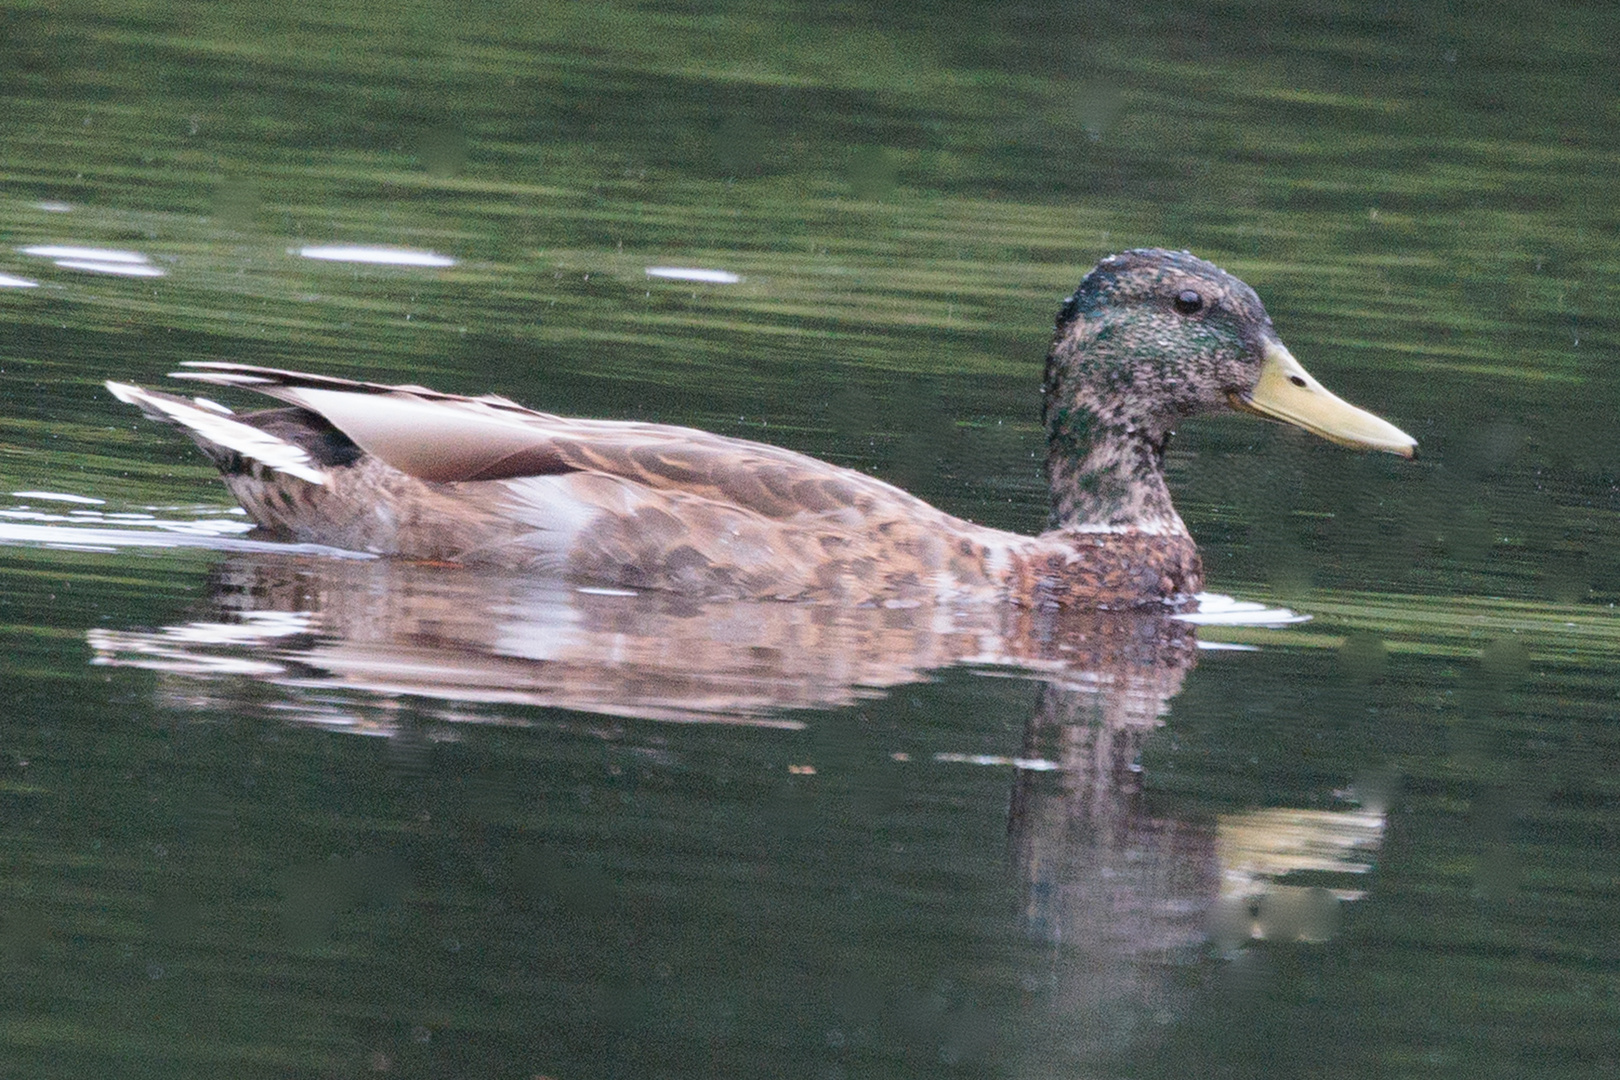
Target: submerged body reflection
{"x": 1127, "y": 896}
{"x": 458, "y": 635}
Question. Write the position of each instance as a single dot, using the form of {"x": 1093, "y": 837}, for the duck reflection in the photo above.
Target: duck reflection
{"x": 389, "y": 627}
{"x": 1132, "y": 897}
{"x": 1126, "y": 895}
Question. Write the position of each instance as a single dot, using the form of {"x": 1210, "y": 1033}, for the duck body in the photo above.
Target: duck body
{"x": 639, "y": 506}
{"x": 410, "y": 472}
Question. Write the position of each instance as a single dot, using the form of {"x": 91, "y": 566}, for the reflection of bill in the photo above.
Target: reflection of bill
{"x": 1259, "y": 849}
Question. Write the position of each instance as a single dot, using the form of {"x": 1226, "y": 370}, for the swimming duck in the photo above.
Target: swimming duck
{"x": 1149, "y": 338}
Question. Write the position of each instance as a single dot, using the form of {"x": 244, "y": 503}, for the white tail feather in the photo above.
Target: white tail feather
{"x": 232, "y": 434}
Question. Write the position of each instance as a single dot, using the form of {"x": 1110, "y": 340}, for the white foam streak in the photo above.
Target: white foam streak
{"x": 90, "y": 254}
{"x": 57, "y": 496}
{"x": 117, "y": 269}
{"x": 1217, "y": 610}
{"x": 688, "y": 273}
{"x": 374, "y": 256}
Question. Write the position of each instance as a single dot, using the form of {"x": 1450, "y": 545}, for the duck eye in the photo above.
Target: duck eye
{"x": 1189, "y": 302}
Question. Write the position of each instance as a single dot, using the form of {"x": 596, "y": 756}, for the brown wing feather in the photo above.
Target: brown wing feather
{"x": 448, "y": 437}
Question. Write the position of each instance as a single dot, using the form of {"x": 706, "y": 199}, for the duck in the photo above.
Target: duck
{"x": 1151, "y": 337}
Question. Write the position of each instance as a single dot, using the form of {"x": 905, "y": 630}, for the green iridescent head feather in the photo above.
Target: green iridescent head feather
{"x": 1152, "y": 337}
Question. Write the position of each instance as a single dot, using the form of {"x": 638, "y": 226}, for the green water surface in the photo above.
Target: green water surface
{"x": 205, "y": 870}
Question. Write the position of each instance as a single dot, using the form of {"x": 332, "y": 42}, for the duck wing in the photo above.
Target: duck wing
{"x": 442, "y": 437}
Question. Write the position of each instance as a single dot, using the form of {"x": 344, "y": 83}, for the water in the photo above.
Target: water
{"x": 605, "y": 835}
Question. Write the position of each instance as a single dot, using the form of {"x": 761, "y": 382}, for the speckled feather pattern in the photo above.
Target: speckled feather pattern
{"x": 1125, "y": 366}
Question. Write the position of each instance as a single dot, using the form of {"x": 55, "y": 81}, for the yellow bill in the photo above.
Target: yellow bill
{"x": 1287, "y": 392}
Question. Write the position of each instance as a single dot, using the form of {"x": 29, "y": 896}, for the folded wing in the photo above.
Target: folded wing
{"x": 443, "y": 437}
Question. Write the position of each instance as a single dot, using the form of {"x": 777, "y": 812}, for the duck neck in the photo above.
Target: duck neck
{"x": 1107, "y": 475}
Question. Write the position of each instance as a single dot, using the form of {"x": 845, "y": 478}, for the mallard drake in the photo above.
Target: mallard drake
{"x": 1150, "y": 337}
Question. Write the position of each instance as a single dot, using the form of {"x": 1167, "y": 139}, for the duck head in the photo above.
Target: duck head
{"x": 1151, "y": 337}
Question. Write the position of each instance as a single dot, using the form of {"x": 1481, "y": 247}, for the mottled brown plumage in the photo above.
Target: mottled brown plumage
{"x": 1150, "y": 337}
